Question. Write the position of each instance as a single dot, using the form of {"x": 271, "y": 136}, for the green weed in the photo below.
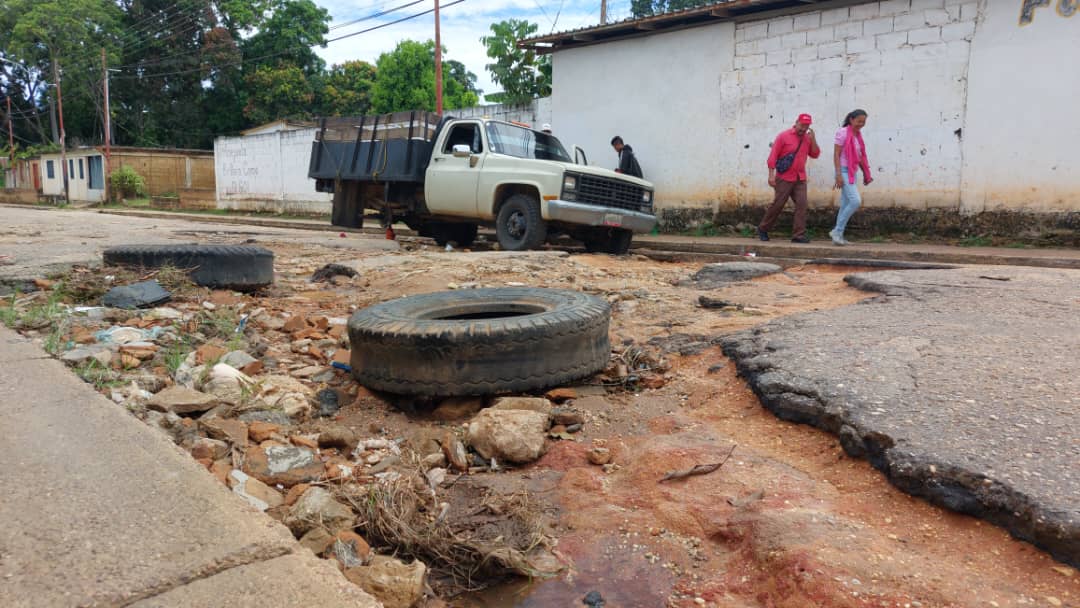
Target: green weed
{"x": 877, "y": 239}
{"x": 976, "y": 241}
{"x": 93, "y": 372}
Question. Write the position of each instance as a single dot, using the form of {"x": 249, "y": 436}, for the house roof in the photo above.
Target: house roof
{"x": 283, "y": 124}
{"x": 722, "y": 10}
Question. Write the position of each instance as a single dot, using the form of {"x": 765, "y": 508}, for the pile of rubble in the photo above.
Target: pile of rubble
{"x": 254, "y": 393}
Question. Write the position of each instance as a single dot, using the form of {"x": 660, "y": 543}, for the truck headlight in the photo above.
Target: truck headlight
{"x": 569, "y": 182}
{"x": 646, "y": 197}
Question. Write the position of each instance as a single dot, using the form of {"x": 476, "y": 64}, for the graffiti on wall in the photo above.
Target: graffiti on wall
{"x": 1065, "y": 8}
{"x": 236, "y": 172}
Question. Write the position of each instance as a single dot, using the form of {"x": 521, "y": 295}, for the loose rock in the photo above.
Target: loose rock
{"x": 349, "y": 549}
{"x": 457, "y": 408}
{"x": 533, "y": 404}
{"x": 212, "y": 449}
{"x": 261, "y": 431}
{"x": 559, "y": 395}
{"x": 285, "y": 465}
{"x": 712, "y": 276}
{"x": 317, "y": 508}
{"x": 317, "y": 540}
{"x": 455, "y": 453}
{"x": 283, "y": 393}
{"x": 182, "y": 400}
{"x": 329, "y": 402}
{"x": 255, "y": 492}
{"x": 393, "y": 582}
{"x": 509, "y": 435}
{"x": 338, "y": 437}
{"x": 599, "y": 456}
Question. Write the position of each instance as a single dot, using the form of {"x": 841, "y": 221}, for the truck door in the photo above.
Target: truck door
{"x": 451, "y": 181}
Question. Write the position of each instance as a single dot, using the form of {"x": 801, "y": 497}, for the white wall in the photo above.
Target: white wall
{"x": 1022, "y": 134}
{"x": 267, "y": 172}
{"x": 536, "y": 113}
{"x": 965, "y": 104}
{"x": 661, "y": 94}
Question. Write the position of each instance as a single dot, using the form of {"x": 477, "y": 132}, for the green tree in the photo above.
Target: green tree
{"x": 288, "y": 34}
{"x": 346, "y": 89}
{"x": 522, "y": 74}
{"x": 43, "y": 34}
{"x": 405, "y": 80}
{"x": 646, "y": 8}
{"x": 281, "y": 92}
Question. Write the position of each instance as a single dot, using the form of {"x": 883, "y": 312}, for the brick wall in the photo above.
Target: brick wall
{"x": 904, "y": 61}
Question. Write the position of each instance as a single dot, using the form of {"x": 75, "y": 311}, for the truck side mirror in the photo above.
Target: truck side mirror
{"x": 579, "y": 156}
{"x": 462, "y": 151}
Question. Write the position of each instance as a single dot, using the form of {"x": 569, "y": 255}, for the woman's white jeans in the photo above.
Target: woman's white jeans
{"x": 850, "y": 199}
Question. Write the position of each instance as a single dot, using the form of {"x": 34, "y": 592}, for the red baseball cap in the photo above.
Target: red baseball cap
{"x": 804, "y": 119}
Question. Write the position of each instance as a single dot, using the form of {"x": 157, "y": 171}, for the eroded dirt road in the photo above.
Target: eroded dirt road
{"x": 789, "y": 520}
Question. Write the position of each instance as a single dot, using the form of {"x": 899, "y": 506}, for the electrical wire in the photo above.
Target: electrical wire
{"x": 272, "y": 55}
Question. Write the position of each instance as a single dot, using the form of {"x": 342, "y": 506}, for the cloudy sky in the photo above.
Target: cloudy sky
{"x": 462, "y": 26}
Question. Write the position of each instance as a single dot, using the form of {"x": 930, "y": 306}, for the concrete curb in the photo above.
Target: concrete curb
{"x": 100, "y": 509}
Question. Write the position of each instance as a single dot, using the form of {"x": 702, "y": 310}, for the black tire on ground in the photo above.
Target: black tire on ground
{"x": 238, "y": 267}
{"x": 519, "y": 225}
{"x": 609, "y": 240}
{"x": 480, "y": 342}
{"x": 448, "y": 232}
{"x": 347, "y": 211}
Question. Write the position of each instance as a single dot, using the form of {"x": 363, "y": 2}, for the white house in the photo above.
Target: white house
{"x": 971, "y": 103}
{"x": 86, "y": 175}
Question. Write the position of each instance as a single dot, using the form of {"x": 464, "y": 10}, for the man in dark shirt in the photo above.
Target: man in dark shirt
{"x": 627, "y": 161}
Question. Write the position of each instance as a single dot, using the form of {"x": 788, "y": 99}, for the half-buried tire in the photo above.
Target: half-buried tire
{"x": 238, "y": 267}
{"x": 480, "y": 342}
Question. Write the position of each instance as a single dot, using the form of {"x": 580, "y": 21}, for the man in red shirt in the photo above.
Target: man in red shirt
{"x": 787, "y": 176}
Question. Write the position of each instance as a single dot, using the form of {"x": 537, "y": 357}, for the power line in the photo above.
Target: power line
{"x": 272, "y": 55}
{"x": 172, "y": 58}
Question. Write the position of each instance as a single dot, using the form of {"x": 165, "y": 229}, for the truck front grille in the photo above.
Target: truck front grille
{"x": 608, "y": 192}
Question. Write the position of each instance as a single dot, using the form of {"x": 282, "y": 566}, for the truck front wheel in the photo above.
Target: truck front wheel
{"x": 609, "y": 240}
{"x": 519, "y": 225}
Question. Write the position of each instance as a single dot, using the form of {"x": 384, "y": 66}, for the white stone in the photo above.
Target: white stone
{"x": 895, "y": 7}
{"x": 825, "y": 34}
{"x": 755, "y": 30}
{"x": 516, "y": 436}
{"x": 958, "y": 31}
{"x": 750, "y": 62}
{"x": 886, "y": 42}
{"x": 909, "y": 21}
{"x": 778, "y": 57}
{"x": 929, "y": 35}
{"x": 849, "y": 30}
{"x": 834, "y": 16}
{"x": 781, "y": 25}
{"x": 835, "y": 49}
{"x": 317, "y": 508}
{"x": 796, "y": 40}
{"x": 868, "y": 10}
{"x": 860, "y": 45}
{"x": 881, "y": 25}
{"x": 936, "y": 17}
{"x": 807, "y": 21}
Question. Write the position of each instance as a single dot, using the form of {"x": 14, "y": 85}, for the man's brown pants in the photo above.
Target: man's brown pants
{"x": 796, "y": 191}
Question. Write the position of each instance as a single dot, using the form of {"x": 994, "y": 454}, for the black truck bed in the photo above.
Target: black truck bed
{"x": 381, "y": 148}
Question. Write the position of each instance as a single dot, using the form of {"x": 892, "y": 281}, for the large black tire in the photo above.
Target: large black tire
{"x": 448, "y": 232}
{"x": 480, "y": 341}
{"x": 519, "y": 225}
{"x": 609, "y": 240}
{"x": 238, "y": 267}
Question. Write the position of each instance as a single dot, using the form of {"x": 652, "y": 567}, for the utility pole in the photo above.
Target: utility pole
{"x": 603, "y": 12}
{"x": 11, "y": 140}
{"x": 438, "y": 63}
{"x": 63, "y": 151}
{"x": 108, "y": 156}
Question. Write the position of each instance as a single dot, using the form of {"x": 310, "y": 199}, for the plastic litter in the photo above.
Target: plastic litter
{"x": 137, "y": 295}
{"x": 126, "y": 335}
{"x": 341, "y": 366}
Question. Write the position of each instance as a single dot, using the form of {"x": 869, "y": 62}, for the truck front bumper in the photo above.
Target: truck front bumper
{"x": 591, "y": 215}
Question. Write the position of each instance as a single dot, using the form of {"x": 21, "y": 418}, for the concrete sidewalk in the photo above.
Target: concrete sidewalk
{"x": 775, "y": 249}
{"x": 100, "y": 510}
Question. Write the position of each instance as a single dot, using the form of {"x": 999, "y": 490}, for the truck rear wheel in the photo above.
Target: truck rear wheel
{"x": 519, "y": 225}
{"x": 609, "y": 240}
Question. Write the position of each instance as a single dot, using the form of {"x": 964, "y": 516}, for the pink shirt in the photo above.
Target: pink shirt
{"x": 841, "y": 135}
{"x": 786, "y": 143}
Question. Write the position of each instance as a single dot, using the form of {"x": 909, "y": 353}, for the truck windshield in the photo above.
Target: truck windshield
{"x": 525, "y": 143}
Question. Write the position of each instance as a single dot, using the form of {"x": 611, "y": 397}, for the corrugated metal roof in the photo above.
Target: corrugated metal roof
{"x": 723, "y": 10}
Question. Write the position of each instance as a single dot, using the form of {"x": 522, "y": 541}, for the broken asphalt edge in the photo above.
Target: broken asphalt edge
{"x": 820, "y": 254}
{"x": 62, "y": 430}
{"x": 940, "y": 482}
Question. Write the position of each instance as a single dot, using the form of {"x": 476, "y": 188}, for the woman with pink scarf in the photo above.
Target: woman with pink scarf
{"x": 849, "y": 155}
